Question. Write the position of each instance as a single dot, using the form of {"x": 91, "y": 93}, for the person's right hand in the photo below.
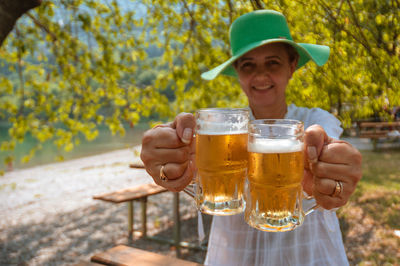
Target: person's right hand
{"x": 171, "y": 145}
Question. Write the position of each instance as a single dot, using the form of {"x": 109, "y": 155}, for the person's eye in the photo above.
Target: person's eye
{"x": 247, "y": 66}
{"x": 273, "y": 63}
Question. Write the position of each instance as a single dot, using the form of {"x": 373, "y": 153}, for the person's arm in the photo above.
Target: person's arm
{"x": 170, "y": 146}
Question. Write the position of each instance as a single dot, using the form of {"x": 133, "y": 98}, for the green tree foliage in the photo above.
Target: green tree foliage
{"x": 68, "y": 67}
{"x": 71, "y": 65}
{"x": 359, "y": 81}
{"x": 361, "y": 77}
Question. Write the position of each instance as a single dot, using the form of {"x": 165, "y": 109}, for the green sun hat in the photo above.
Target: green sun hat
{"x": 261, "y": 27}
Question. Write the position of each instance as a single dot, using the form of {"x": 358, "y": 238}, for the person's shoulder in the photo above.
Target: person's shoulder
{"x": 309, "y": 113}
{"x": 315, "y": 115}
{"x": 316, "y": 111}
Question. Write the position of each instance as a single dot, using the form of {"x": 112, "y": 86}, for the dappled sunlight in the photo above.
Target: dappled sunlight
{"x": 73, "y": 236}
{"x": 369, "y": 220}
{"x": 381, "y": 168}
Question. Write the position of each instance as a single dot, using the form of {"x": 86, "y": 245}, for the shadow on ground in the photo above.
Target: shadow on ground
{"x": 68, "y": 238}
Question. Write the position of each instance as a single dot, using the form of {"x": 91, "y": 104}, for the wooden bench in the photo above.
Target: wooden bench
{"x": 86, "y": 263}
{"x": 129, "y": 195}
{"x": 378, "y": 130}
{"x": 140, "y": 193}
{"x": 127, "y": 256}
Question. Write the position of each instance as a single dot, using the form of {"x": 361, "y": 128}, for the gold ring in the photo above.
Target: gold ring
{"x": 163, "y": 176}
{"x": 338, "y": 189}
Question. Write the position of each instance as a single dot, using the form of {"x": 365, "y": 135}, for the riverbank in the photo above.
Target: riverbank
{"x": 103, "y": 143}
{"x": 29, "y": 194}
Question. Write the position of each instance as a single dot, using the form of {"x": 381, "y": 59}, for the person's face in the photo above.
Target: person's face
{"x": 264, "y": 74}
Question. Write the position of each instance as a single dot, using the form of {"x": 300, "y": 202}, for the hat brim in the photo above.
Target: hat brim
{"x": 317, "y": 53}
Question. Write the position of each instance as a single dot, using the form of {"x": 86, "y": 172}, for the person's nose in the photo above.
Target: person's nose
{"x": 261, "y": 73}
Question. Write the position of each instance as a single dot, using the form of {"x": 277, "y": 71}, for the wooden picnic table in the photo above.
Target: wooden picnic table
{"x": 128, "y": 256}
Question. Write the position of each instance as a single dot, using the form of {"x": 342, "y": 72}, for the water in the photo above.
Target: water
{"x": 49, "y": 152}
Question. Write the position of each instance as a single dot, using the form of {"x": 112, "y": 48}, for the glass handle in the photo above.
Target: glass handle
{"x": 190, "y": 190}
{"x": 313, "y": 208}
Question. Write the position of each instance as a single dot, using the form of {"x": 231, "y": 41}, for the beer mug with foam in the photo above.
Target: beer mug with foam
{"x": 274, "y": 193}
{"x": 221, "y": 160}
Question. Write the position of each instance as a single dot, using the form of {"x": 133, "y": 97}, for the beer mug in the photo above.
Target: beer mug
{"x": 221, "y": 160}
{"x": 274, "y": 191}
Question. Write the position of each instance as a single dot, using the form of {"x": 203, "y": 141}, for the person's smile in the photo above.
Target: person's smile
{"x": 263, "y": 88}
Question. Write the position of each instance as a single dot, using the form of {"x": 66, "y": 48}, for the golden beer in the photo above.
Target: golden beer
{"x": 275, "y": 182}
{"x": 274, "y": 189}
{"x": 221, "y": 161}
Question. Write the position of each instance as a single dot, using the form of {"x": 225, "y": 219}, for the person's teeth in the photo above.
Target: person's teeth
{"x": 263, "y": 88}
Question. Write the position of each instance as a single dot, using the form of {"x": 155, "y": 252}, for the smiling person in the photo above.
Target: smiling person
{"x": 264, "y": 58}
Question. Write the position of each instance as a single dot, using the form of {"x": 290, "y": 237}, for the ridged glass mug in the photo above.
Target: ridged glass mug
{"x": 221, "y": 159}
{"x": 274, "y": 191}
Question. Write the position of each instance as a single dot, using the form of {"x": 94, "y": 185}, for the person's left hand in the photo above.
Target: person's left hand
{"x": 329, "y": 162}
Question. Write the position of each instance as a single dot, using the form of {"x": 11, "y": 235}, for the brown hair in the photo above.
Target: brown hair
{"x": 292, "y": 52}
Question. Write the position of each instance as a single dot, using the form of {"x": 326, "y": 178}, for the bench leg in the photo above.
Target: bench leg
{"x": 375, "y": 144}
{"x": 143, "y": 202}
{"x": 177, "y": 224}
{"x": 130, "y": 217}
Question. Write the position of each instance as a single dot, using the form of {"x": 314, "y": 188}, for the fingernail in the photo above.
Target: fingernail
{"x": 187, "y": 135}
{"x": 312, "y": 154}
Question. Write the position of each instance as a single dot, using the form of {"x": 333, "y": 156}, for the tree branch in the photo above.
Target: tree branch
{"x": 358, "y": 26}
{"x": 342, "y": 27}
{"x": 256, "y": 4}
{"x": 20, "y": 74}
{"x": 43, "y": 27}
{"x": 230, "y": 11}
{"x": 191, "y": 29}
{"x": 395, "y": 33}
{"x": 10, "y": 12}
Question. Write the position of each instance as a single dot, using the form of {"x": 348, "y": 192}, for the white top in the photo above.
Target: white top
{"x": 317, "y": 242}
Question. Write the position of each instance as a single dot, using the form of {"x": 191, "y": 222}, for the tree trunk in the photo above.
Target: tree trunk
{"x": 10, "y": 11}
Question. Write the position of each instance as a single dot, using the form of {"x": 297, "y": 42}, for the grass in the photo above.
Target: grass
{"x": 372, "y": 215}
{"x": 381, "y": 169}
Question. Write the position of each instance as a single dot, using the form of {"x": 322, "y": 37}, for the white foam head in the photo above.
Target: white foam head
{"x": 275, "y": 145}
{"x": 220, "y": 128}
{"x": 220, "y": 121}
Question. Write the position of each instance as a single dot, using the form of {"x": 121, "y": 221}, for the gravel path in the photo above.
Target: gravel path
{"x": 48, "y": 216}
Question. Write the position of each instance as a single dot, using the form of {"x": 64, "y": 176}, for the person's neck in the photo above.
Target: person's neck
{"x": 270, "y": 112}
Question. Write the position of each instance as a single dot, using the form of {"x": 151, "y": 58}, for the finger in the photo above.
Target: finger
{"x": 325, "y": 186}
{"x": 184, "y": 124}
{"x": 314, "y": 139}
{"x": 179, "y": 155}
{"x": 341, "y": 172}
{"x": 339, "y": 152}
{"x": 193, "y": 152}
{"x": 327, "y": 202}
{"x": 180, "y": 183}
{"x": 162, "y": 137}
{"x": 307, "y": 182}
{"x": 174, "y": 170}
{"x": 150, "y": 155}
